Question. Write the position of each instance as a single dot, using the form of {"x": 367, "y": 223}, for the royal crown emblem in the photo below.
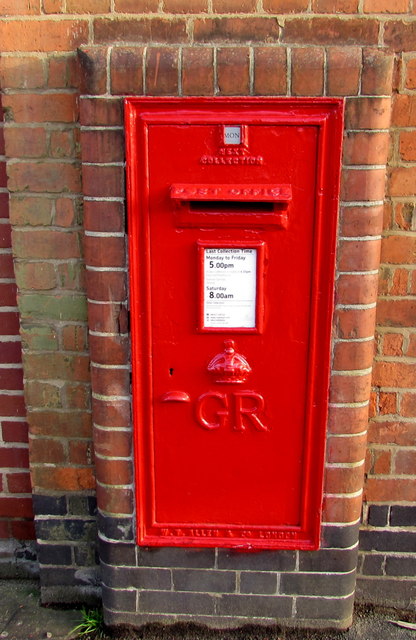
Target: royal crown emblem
{"x": 229, "y": 367}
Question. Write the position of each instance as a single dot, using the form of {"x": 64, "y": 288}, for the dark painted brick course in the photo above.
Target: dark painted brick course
{"x": 66, "y": 529}
{"x": 403, "y": 516}
{"x": 316, "y": 584}
{"x": 378, "y": 515}
{"x": 391, "y": 592}
{"x": 328, "y": 560}
{"x": 54, "y": 554}
{"x": 325, "y": 609}
{"x": 260, "y": 606}
{"x": 139, "y": 578}
{"x": 372, "y": 565}
{"x": 176, "y": 602}
{"x": 80, "y": 505}
{"x": 49, "y": 505}
{"x": 176, "y": 557}
{"x": 339, "y": 537}
{"x": 404, "y": 566}
{"x": 117, "y": 553}
{"x": 257, "y": 561}
{"x": 200, "y": 580}
{"x": 86, "y": 554}
{"x": 119, "y": 599}
{"x": 260, "y": 582}
{"x": 388, "y": 540}
{"x": 115, "y": 528}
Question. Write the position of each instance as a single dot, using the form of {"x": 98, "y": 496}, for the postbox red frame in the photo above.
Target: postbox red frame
{"x": 327, "y": 115}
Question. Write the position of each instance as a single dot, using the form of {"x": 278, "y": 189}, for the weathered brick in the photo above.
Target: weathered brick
{"x": 26, "y": 142}
{"x": 343, "y": 75}
{"x": 325, "y": 585}
{"x": 93, "y": 66}
{"x": 335, "y": 6}
{"x": 399, "y": 35}
{"x": 63, "y": 478}
{"x": 132, "y": 6}
{"x": 162, "y": 71}
{"x": 117, "y": 500}
{"x": 366, "y": 147}
{"x": 326, "y": 31}
{"x": 255, "y": 606}
{"x": 35, "y": 275}
{"x": 377, "y": 73}
{"x": 115, "y": 414}
{"x": 258, "y": 582}
{"x": 123, "y": 578}
{"x": 270, "y": 68}
{"x": 47, "y": 450}
{"x": 285, "y": 6}
{"x": 36, "y": 210}
{"x": 103, "y": 216}
{"x": 386, "y": 6}
{"x": 16, "y": 507}
{"x": 390, "y": 489}
{"x": 62, "y": 144}
{"x": 53, "y": 177}
{"x": 101, "y": 111}
{"x": 103, "y": 181}
{"x": 259, "y": 561}
{"x": 33, "y": 107}
{"x": 233, "y": 71}
{"x": 22, "y": 72}
{"x": 208, "y": 580}
{"x": 232, "y": 30}
{"x": 352, "y": 356}
{"x": 112, "y": 442}
{"x": 198, "y": 6}
{"x": 368, "y": 113}
{"x": 88, "y": 6}
{"x": 63, "y": 424}
{"x": 307, "y": 71}
{"x": 197, "y": 71}
{"x": 363, "y": 184}
{"x": 57, "y": 365}
{"x": 114, "y": 382}
{"x": 145, "y": 30}
{"x": 126, "y": 72}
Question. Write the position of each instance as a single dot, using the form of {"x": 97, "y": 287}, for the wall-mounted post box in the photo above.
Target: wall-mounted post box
{"x": 232, "y": 228}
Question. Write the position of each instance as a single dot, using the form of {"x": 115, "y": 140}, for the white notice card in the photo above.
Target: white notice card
{"x": 230, "y": 277}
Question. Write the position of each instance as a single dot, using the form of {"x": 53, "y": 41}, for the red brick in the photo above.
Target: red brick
{"x": 46, "y": 244}
{"x": 407, "y": 145}
{"x": 393, "y": 344}
{"x": 402, "y": 181}
{"x": 43, "y": 35}
{"x": 355, "y": 323}
{"x": 411, "y": 349}
{"x": 382, "y": 463}
{"x": 363, "y": 184}
{"x": 23, "y": 529}
{"x": 196, "y": 6}
{"x": 105, "y": 252}
{"x": 347, "y": 449}
{"x": 103, "y": 181}
{"x": 350, "y": 388}
{"x": 9, "y": 322}
{"x": 53, "y": 6}
{"x": 396, "y": 313}
{"x": 233, "y": 71}
{"x": 111, "y": 318}
{"x": 10, "y": 352}
{"x": 112, "y": 472}
{"x": 387, "y": 403}
{"x": 386, "y": 6}
{"x": 6, "y": 265}
{"x": 377, "y": 73}
{"x": 114, "y": 413}
{"x": 410, "y": 79}
{"x": 390, "y": 490}
{"x": 57, "y": 365}
{"x": 366, "y": 148}
{"x": 80, "y": 452}
{"x": 398, "y": 249}
{"x": 393, "y": 432}
{"x": 63, "y": 71}
{"x": 368, "y": 113}
{"x": 394, "y": 374}
{"x": 4, "y": 205}
{"x": 93, "y": 70}
{"x": 22, "y": 72}
{"x": 63, "y": 478}
{"x": 113, "y": 382}
{"x": 101, "y": 111}
{"x": 127, "y": 71}
{"x": 26, "y": 142}
{"x": 197, "y": 71}
{"x": 7, "y": 294}
{"x": 270, "y": 71}
{"x": 36, "y": 275}
{"x": 236, "y": 30}
{"x": 12, "y": 406}
{"x": 16, "y": 507}
{"x": 285, "y": 6}
{"x": 14, "y": 457}
{"x": 356, "y": 289}
{"x": 14, "y": 431}
{"x": 66, "y": 212}
{"x": 344, "y": 480}
{"x": 133, "y": 6}
{"x": 399, "y": 35}
{"x": 32, "y": 108}
{"x": 5, "y": 236}
{"x": 335, "y": 6}
{"x": 143, "y": 31}
{"x": 353, "y": 355}
{"x": 30, "y": 211}
{"x": 342, "y": 509}
{"x": 74, "y": 338}
{"x": 107, "y": 285}
{"x": 111, "y": 442}
{"x": 307, "y": 71}
{"x": 400, "y": 283}
{"x": 344, "y": 66}
{"x": 62, "y": 144}
{"x": 39, "y": 177}
{"x": 42, "y": 394}
{"x": 19, "y": 483}
{"x": 109, "y": 350}
{"x": 326, "y": 31}
{"x": 88, "y": 6}
{"x": 103, "y": 216}
{"x": 11, "y": 379}
{"x": 102, "y": 146}
{"x": 162, "y": 71}
{"x": 115, "y": 499}
{"x": 19, "y": 7}
{"x": 358, "y": 255}
{"x": 75, "y": 424}
{"x": 408, "y": 405}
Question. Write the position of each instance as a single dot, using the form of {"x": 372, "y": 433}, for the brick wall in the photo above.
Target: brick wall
{"x": 16, "y": 516}
{"x": 359, "y": 49}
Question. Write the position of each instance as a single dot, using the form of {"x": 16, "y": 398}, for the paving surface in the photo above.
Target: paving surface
{"x": 22, "y": 618}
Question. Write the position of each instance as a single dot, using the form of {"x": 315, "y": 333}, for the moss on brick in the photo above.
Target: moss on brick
{"x": 57, "y": 307}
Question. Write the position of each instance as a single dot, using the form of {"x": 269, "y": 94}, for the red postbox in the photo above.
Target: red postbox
{"x": 232, "y": 228}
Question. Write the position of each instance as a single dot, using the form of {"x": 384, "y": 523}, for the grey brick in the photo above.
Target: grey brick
{"x": 401, "y": 516}
{"x": 85, "y": 554}
{"x": 372, "y": 565}
{"x": 66, "y": 529}
{"x": 261, "y": 582}
{"x": 119, "y": 599}
{"x": 176, "y": 602}
{"x": 54, "y": 554}
{"x": 257, "y": 561}
{"x": 378, "y": 515}
{"x": 256, "y": 606}
{"x": 328, "y": 560}
{"x": 117, "y": 553}
{"x": 387, "y": 592}
{"x": 116, "y": 528}
{"x": 401, "y": 566}
{"x": 387, "y": 540}
{"x": 317, "y": 584}
{"x": 208, "y": 580}
{"x": 82, "y": 505}
{"x": 49, "y": 505}
{"x": 137, "y": 577}
{"x": 176, "y": 557}
{"x": 337, "y": 609}
{"x": 339, "y": 536}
